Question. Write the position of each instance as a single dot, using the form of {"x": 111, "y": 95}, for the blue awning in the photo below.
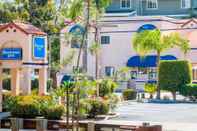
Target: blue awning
{"x": 147, "y": 61}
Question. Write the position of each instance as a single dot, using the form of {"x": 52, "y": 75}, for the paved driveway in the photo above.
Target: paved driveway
{"x": 174, "y": 117}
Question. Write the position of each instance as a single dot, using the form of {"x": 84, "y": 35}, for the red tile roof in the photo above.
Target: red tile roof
{"x": 26, "y": 28}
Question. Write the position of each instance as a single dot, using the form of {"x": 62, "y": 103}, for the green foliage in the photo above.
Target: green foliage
{"x": 129, "y": 94}
{"x": 174, "y": 74}
{"x": 95, "y": 48}
{"x": 106, "y": 87}
{"x": 32, "y": 106}
{"x": 150, "y": 88}
{"x": 25, "y": 110}
{"x": 53, "y": 112}
{"x": 189, "y": 90}
{"x": 8, "y": 101}
{"x": 148, "y": 41}
{"x": 55, "y": 52}
{"x": 40, "y": 13}
{"x": 96, "y": 107}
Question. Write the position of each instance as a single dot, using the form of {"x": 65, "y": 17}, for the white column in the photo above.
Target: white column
{"x": 43, "y": 81}
{"x": 1, "y": 88}
{"x": 27, "y": 81}
{"x": 15, "y": 81}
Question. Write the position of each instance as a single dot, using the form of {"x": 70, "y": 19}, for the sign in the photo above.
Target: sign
{"x": 39, "y": 47}
{"x": 11, "y": 54}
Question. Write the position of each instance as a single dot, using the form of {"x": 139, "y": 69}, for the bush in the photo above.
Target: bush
{"x": 189, "y": 90}
{"x": 150, "y": 88}
{"x": 173, "y": 75}
{"x": 96, "y": 107}
{"x": 53, "y": 112}
{"x": 8, "y": 102}
{"x": 129, "y": 94}
{"x": 32, "y": 106}
{"x": 106, "y": 87}
{"x": 25, "y": 110}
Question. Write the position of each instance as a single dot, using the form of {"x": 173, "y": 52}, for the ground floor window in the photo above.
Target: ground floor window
{"x": 149, "y": 73}
{"x": 109, "y": 71}
{"x": 194, "y": 74}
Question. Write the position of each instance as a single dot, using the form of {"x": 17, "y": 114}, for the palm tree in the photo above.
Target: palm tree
{"x": 94, "y": 50}
{"x": 153, "y": 41}
{"x": 83, "y": 8}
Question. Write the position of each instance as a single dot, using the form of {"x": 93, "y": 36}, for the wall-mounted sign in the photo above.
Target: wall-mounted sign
{"x": 39, "y": 47}
{"x": 11, "y": 54}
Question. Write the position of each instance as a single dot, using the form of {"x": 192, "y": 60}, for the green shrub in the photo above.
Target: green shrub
{"x": 129, "y": 94}
{"x": 96, "y": 107}
{"x": 106, "y": 87}
{"x": 25, "y": 110}
{"x": 150, "y": 88}
{"x": 189, "y": 90}
{"x": 173, "y": 75}
{"x": 8, "y": 102}
{"x": 53, "y": 112}
{"x": 33, "y": 106}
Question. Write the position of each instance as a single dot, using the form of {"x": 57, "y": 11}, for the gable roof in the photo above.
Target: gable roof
{"x": 189, "y": 21}
{"x": 26, "y": 28}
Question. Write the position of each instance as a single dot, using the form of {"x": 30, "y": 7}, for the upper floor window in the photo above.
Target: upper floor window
{"x": 185, "y": 4}
{"x": 125, "y": 4}
{"x": 105, "y": 40}
{"x": 152, "y": 4}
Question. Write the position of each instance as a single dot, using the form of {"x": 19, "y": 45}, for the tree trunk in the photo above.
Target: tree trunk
{"x": 158, "y": 88}
{"x": 174, "y": 95}
{"x": 54, "y": 79}
{"x": 85, "y": 36}
{"x": 151, "y": 96}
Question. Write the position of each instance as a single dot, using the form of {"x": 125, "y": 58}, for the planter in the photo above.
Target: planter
{"x": 6, "y": 123}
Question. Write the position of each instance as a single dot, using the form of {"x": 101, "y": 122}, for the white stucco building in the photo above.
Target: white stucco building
{"x": 116, "y": 41}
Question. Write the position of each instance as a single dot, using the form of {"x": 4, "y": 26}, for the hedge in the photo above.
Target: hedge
{"x": 174, "y": 74}
{"x": 129, "y": 94}
{"x": 189, "y": 90}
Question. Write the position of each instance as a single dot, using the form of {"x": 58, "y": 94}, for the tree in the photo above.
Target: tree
{"x": 83, "y": 9}
{"x": 153, "y": 41}
{"x": 173, "y": 75}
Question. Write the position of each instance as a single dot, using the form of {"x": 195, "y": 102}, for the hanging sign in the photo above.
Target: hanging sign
{"x": 39, "y": 47}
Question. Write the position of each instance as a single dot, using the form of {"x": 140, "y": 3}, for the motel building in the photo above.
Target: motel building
{"x": 116, "y": 36}
{"x": 23, "y": 52}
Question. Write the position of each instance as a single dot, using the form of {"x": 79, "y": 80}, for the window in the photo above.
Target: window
{"x": 109, "y": 71}
{"x": 125, "y": 4}
{"x": 194, "y": 74}
{"x": 75, "y": 43}
{"x": 152, "y": 4}
{"x": 105, "y": 40}
{"x": 185, "y": 4}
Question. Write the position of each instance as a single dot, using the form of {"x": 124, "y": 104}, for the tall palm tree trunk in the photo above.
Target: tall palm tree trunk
{"x": 158, "y": 88}
{"x": 84, "y": 38}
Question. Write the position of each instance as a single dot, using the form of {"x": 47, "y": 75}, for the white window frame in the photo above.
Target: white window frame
{"x": 187, "y": 4}
{"x": 125, "y": 7}
{"x": 147, "y": 4}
